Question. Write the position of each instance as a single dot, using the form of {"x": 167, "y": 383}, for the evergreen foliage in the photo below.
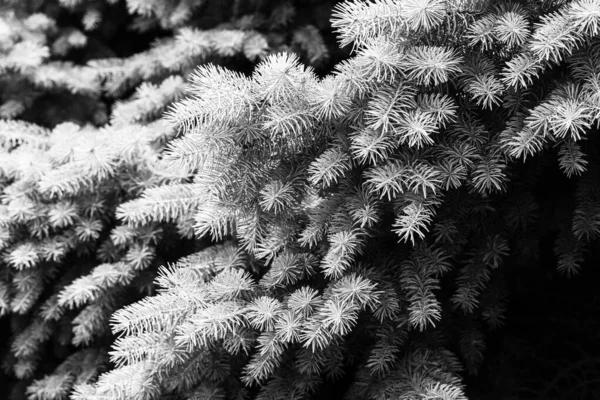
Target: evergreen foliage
{"x": 89, "y": 210}
{"x": 365, "y": 220}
